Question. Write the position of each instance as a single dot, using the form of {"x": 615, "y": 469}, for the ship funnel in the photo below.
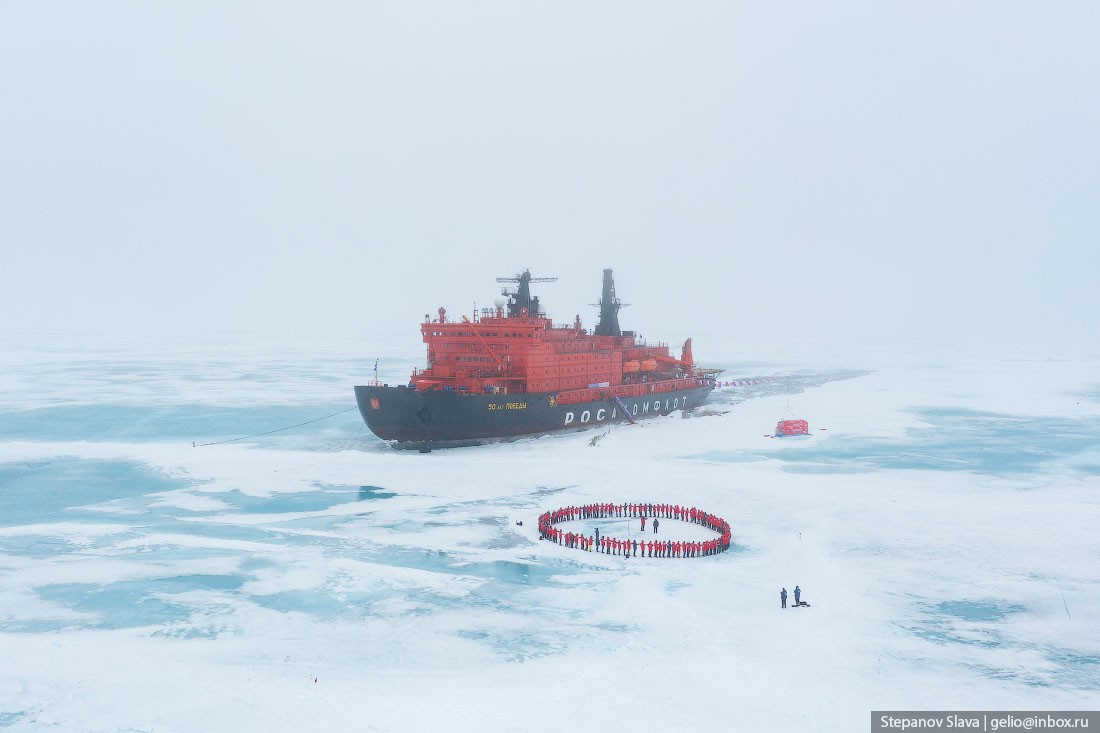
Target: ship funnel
{"x": 609, "y": 308}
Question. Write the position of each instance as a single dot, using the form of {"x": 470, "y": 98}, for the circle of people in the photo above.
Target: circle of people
{"x": 632, "y": 547}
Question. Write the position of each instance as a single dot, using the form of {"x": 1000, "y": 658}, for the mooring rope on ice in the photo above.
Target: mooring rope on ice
{"x": 279, "y": 430}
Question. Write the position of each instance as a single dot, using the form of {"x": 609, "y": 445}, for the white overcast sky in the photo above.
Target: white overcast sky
{"x": 858, "y": 170}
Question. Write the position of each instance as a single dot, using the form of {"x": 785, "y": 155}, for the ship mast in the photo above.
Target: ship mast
{"x": 521, "y": 300}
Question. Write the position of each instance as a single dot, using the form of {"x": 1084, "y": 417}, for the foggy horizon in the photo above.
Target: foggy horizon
{"x": 859, "y": 173}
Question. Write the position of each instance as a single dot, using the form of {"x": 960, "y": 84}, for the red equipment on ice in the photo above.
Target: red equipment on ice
{"x": 787, "y": 428}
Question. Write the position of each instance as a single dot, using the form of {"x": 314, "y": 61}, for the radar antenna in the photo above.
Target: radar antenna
{"x": 521, "y": 299}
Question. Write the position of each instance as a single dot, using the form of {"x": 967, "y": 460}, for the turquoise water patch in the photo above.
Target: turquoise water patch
{"x": 978, "y": 610}
{"x": 507, "y": 571}
{"x": 720, "y": 456}
{"x": 370, "y": 493}
{"x": 325, "y": 497}
{"x": 9, "y": 719}
{"x": 188, "y": 583}
{"x": 127, "y": 603}
{"x": 504, "y": 571}
{"x": 513, "y": 645}
{"x": 520, "y": 645}
{"x": 940, "y": 634}
{"x": 112, "y": 605}
{"x": 473, "y": 634}
{"x": 501, "y": 594}
{"x": 1075, "y": 669}
{"x": 1069, "y": 670}
{"x": 1004, "y": 674}
{"x": 822, "y": 468}
{"x": 941, "y": 622}
{"x": 45, "y": 545}
{"x": 955, "y": 440}
{"x": 318, "y": 604}
{"x": 37, "y": 492}
{"x": 188, "y": 423}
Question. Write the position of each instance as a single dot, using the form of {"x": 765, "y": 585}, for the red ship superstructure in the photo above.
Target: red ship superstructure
{"x": 529, "y": 373}
{"x": 515, "y": 349}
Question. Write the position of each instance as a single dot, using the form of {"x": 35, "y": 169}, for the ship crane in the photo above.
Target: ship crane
{"x": 520, "y": 303}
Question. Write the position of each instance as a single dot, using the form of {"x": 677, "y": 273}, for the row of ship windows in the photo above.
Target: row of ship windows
{"x": 550, "y": 356}
{"x": 590, "y": 357}
{"x": 534, "y": 356}
{"x": 532, "y": 359}
{"x": 573, "y": 370}
{"x": 470, "y": 347}
{"x": 551, "y": 372}
{"x": 494, "y": 334}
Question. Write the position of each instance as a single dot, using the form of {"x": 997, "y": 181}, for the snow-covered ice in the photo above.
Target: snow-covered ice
{"x": 942, "y": 526}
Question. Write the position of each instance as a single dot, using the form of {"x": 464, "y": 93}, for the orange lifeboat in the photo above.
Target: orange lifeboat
{"x": 649, "y": 365}
{"x": 629, "y": 367}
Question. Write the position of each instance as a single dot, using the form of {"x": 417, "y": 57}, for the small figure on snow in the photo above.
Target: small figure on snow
{"x": 783, "y": 598}
{"x": 797, "y": 593}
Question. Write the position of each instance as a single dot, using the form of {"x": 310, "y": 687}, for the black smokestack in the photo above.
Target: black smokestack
{"x": 609, "y": 308}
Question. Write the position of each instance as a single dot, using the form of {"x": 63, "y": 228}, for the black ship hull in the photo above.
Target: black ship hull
{"x": 417, "y": 419}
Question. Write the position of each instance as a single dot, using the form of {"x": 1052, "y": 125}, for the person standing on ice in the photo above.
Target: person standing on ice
{"x": 797, "y": 593}
{"x": 656, "y": 522}
{"x": 643, "y": 524}
{"x": 783, "y": 598}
